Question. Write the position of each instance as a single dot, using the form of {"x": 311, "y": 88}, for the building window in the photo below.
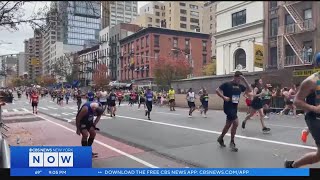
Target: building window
{"x": 183, "y": 11}
{"x": 157, "y": 20}
{"x": 156, "y": 55}
{"x": 182, "y": 4}
{"x": 135, "y": 9}
{"x": 210, "y": 26}
{"x": 147, "y": 73}
{"x": 142, "y": 42}
{"x": 240, "y": 59}
{"x": 204, "y": 59}
{"x": 187, "y": 43}
{"x": 169, "y": 4}
{"x": 142, "y": 58}
{"x": 147, "y": 57}
{"x": 273, "y": 4}
{"x": 194, "y": 27}
{"x": 156, "y": 7}
{"x": 210, "y": 17}
{"x": 273, "y": 57}
{"x": 274, "y": 27}
{"x": 239, "y": 18}
{"x": 149, "y": 19}
{"x": 193, "y": 6}
{"x": 204, "y": 45}
{"x": 149, "y": 25}
{"x": 128, "y": 8}
{"x": 147, "y": 41}
{"x": 193, "y": 20}
{"x": 195, "y": 14}
{"x": 182, "y": 18}
{"x": 307, "y": 14}
{"x": 163, "y": 14}
{"x": 289, "y": 20}
{"x": 183, "y": 25}
{"x": 157, "y": 13}
{"x": 175, "y": 42}
{"x": 156, "y": 40}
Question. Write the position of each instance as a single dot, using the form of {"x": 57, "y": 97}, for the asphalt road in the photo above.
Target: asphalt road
{"x": 192, "y": 140}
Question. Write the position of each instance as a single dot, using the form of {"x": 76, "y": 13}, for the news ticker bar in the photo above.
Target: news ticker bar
{"x": 159, "y": 172}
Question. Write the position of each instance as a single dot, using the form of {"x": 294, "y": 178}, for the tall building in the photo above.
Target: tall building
{"x": 291, "y": 33}
{"x": 209, "y": 23}
{"x": 178, "y": 15}
{"x": 33, "y": 50}
{"x": 239, "y": 36}
{"x": 141, "y": 49}
{"x": 22, "y": 64}
{"x": 51, "y": 35}
{"x": 116, "y": 12}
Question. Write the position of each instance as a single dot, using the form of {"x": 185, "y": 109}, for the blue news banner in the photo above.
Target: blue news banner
{"x": 77, "y": 161}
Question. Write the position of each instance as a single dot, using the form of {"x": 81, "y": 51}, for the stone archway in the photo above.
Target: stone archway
{"x": 240, "y": 59}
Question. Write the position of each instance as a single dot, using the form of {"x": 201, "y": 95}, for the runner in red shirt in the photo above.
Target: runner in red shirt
{"x": 119, "y": 95}
{"x": 34, "y": 101}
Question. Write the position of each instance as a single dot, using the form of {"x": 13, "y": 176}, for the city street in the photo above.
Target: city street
{"x": 171, "y": 139}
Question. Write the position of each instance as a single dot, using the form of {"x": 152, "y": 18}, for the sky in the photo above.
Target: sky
{"x": 16, "y": 38}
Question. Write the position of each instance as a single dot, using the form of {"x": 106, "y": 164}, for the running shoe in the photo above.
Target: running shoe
{"x": 288, "y": 164}
{"x": 221, "y": 142}
{"x": 233, "y": 147}
{"x": 304, "y": 136}
{"x": 266, "y": 130}
{"x": 243, "y": 125}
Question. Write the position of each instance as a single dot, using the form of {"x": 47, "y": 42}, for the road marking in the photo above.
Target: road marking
{"x": 25, "y": 109}
{"x": 52, "y": 107}
{"x": 5, "y": 110}
{"x": 43, "y": 108}
{"x": 67, "y": 114}
{"x": 27, "y": 102}
{"x": 69, "y": 120}
{"x": 58, "y": 115}
{"x": 168, "y": 113}
{"x": 73, "y": 108}
{"x": 216, "y": 132}
{"x": 107, "y": 146}
{"x": 15, "y": 110}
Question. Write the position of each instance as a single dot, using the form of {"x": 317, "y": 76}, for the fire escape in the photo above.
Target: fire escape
{"x": 287, "y": 33}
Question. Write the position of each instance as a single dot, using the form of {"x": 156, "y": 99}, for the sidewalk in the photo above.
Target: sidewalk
{"x": 42, "y": 130}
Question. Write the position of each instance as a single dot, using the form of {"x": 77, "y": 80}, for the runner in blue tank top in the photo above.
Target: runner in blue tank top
{"x": 86, "y": 125}
{"x": 149, "y": 99}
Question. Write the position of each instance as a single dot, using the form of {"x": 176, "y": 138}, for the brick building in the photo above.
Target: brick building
{"x": 149, "y": 44}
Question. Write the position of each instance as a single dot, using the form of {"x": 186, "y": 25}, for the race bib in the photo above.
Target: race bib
{"x": 291, "y": 100}
{"x": 103, "y": 100}
{"x": 191, "y": 99}
{"x": 205, "y": 99}
{"x": 149, "y": 99}
{"x": 113, "y": 98}
{"x": 267, "y": 97}
{"x": 235, "y": 99}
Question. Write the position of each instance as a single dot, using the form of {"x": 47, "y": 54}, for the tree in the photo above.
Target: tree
{"x": 65, "y": 67}
{"x": 45, "y": 80}
{"x": 167, "y": 69}
{"x": 16, "y": 82}
{"x": 210, "y": 69}
{"x": 100, "y": 78}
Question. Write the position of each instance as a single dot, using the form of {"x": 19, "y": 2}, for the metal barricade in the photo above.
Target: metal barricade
{"x": 4, "y": 146}
{"x": 277, "y": 103}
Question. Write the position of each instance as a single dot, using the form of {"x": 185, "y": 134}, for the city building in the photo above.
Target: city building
{"x": 239, "y": 36}
{"x": 116, "y": 12}
{"x": 110, "y": 43}
{"x": 88, "y": 59}
{"x": 51, "y": 34}
{"x": 151, "y": 15}
{"x": 176, "y": 15}
{"x": 291, "y": 33}
{"x": 209, "y": 23}
{"x": 184, "y": 15}
{"x": 33, "y": 50}
{"x": 22, "y": 64}
{"x": 143, "y": 47}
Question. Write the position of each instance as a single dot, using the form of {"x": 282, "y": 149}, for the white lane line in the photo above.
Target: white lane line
{"x": 5, "y": 110}
{"x": 107, "y": 146}
{"x": 169, "y": 113}
{"x": 216, "y": 132}
{"x": 15, "y": 110}
{"x": 73, "y": 108}
{"x": 27, "y": 102}
{"x": 58, "y": 115}
{"x": 67, "y": 114}
{"x": 25, "y": 109}
{"x": 43, "y": 108}
{"x": 52, "y": 107}
{"x": 68, "y": 120}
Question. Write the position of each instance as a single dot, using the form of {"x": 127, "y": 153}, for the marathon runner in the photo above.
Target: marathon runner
{"x": 171, "y": 95}
{"x": 190, "y": 98}
{"x": 103, "y": 95}
{"x": 34, "y": 101}
{"x": 90, "y": 96}
{"x": 149, "y": 100}
{"x": 141, "y": 99}
{"x": 79, "y": 99}
{"x": 230, "y": 93}
{"x": 67, "y": 96}
{"x": 86, "y": 125}
{"x": 112, "y": 103}
{"x": 119, "y": 96}
{"x": 257, "y": 106}
{"x": 266, "y": 99}
{"x": 308, "y": 99}
{"x": 204, "y": 98}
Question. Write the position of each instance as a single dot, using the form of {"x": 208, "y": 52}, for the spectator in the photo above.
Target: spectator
{"x": 309, "y": 54}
